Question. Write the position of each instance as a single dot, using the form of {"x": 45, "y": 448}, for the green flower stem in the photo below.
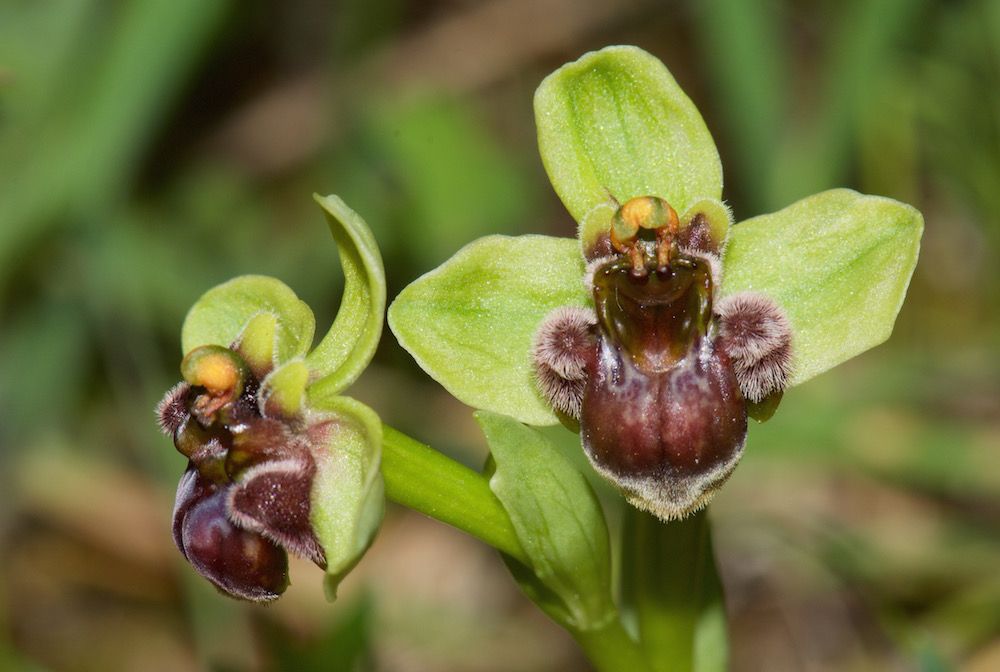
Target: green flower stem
{"x": 421, "y": 478}
{"x": 669, "y": 579}
{"x": 611, "y": 649}
{"x": 671, "y": 585}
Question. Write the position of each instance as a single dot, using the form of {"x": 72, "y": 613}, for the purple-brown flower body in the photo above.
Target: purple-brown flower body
{"x": 660, "y": 374}
{"x": 244, "y": 500}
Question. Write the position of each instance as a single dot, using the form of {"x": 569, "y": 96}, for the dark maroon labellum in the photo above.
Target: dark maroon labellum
{"x": 245, "y": 499}
{"x": 662, "y": 408}
{"x": 658, "y": 377}
{"x": 241, "y": 563}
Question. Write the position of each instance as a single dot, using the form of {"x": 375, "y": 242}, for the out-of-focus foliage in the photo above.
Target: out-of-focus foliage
{"x": 152, "y": 149}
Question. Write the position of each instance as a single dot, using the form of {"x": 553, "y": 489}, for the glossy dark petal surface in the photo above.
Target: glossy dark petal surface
{"x": 239, "y": 562}
{"x": 662, "y": 402}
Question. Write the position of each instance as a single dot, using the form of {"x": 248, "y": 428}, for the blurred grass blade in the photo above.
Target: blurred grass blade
{"x": 99, "y": 128}
{"x": 860, "y": 52}
{"x": 742, "y": 44}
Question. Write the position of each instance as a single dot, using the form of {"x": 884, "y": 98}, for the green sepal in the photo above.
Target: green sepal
{"x": 615, "y": 123}
{"x": 348, "y": 347}
{"x": 558, "y": 521}
{"x": 470, "y": 322}
{"x": 283, "y": 391}
{"x": 222, "y": 313}
{"x": 348, "y": 495}
{"x": 257, "y": 343}
{"x": 837, "y": 262}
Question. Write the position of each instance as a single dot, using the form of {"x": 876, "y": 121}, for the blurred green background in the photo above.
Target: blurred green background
{"x": 150, "y": 149}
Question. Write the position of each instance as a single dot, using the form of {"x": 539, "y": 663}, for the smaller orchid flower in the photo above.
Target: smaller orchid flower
{"x": 665, "y": 326}
{"x": 277, "y": 462}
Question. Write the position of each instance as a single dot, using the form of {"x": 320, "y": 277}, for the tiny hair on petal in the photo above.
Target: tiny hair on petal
{"x": 564, "y": 340}
{"x": 757, "y": 336}
{"x": 172, "y": 410}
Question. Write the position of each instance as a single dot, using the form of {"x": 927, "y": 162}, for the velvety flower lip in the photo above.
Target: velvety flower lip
{"x": 660, "y": 374}
{"x": 245, "y": 499}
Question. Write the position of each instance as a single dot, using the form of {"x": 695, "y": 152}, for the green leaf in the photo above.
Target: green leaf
{"x": 615, "y": 124}
{"x": 470, "y": 322}
{"x": 347, "y": 495}
{"x": 838, "y": 262}
{"x": 350, "y": 344}
{"x": 558, "y": 520}
{"x": 220, "y": 315}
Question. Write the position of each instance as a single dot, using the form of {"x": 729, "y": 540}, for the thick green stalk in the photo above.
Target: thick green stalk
{"x": 671, "y": 587}
{"x": 611, "y": 649}
{"x": 421, "y": 478}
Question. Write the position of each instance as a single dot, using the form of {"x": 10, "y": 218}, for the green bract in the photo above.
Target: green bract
{"x": 611, "y": 126}
{"x": 558, "y": 521}
{"x": 272, "y": 330}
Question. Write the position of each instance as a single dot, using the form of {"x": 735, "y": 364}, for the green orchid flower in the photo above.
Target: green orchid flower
{"x": 664, "y": 325}
{"x": 278, "y": 461}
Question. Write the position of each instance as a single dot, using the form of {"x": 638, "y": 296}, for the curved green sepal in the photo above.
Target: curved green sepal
{"x": 221, "y": 314}
{"x": 348, "y": 495}
{"x": 558, "y": 521}
{"x": 838, "y": 263}
{"x": 716, "y": 213}
{"x": 257, "y": 343}
{"x": 470, "y": 322}
{"x": 616, "y": 123}
{"x": 283, "y": 391}
{"x": 348, "y": 347}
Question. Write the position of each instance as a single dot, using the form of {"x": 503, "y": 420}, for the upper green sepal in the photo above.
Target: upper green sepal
{"x": 837, "y": 262}
{"x": 348, "y": 347}
{"x": 470, "y": 322}
{"x": 615, "y": 125}
{"x": 557, "y": 519}
{"x": 222, "y": 314}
